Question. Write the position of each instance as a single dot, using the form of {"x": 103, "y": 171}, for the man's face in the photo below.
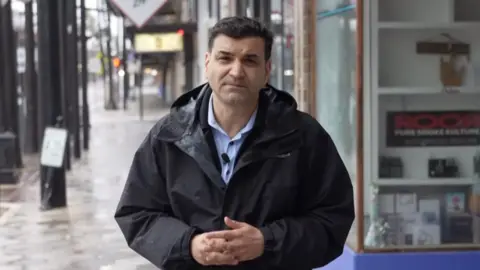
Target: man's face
{"x": 236, "y": 69}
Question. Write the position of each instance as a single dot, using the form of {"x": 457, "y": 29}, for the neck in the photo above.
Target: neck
{"x": 232, "y": 119}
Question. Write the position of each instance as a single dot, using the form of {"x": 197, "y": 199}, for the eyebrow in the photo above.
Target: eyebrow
{"x": 224, "y": 53}
{"x": 249, "y": 55}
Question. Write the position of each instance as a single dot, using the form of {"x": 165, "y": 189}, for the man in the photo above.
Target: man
{"x": 235, "y": 176}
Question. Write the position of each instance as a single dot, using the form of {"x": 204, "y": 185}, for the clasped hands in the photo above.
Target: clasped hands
{"x": 229, "y": 247}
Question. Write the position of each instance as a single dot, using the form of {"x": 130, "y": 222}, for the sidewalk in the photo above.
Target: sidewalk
{"x": 26, "y": 175}
{"x": 152, "y": 105}
{"x": 83, "y": 236}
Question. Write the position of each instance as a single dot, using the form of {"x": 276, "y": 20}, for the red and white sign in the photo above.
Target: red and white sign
{"x": 433, "y": 128}
{"x": 139, "y": 11}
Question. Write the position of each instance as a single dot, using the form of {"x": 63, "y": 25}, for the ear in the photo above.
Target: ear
{"x": 268, "y": 69}
{"x": 207, "y": 60}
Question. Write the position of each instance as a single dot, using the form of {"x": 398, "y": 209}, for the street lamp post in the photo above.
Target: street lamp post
{"x": 32, "y": 132}
{"x": 63, "y": 76}
{"x": 84, "y": 77}
{"x": 126, "y": 74}
{"x": 9, "y": 75}
{"x": 111, "y": 104}
{"x": 71, "y": 66}
{"x": 52, "y": 180}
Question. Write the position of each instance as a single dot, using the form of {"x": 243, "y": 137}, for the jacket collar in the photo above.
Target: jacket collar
{"x": 183, "y": 127}
{"x": 275, "y": 116}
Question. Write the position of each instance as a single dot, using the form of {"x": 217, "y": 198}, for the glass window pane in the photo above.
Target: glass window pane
{"x": 210, "y": 8}
{"x": 282, "y": 24}
{"x": 276, "y": 58}
{"x": 288, "y": 27}
{"x": 425, "y": 190}
{"x": 276, "y": 18}
{"x": 336, "y": 99}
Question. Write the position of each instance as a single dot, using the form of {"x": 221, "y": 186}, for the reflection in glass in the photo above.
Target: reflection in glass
{"x": 276, "y": 73}
{"x": 282, "y": 23}
{"x": 288, "y": 62}
{"x": 336, "y": 99}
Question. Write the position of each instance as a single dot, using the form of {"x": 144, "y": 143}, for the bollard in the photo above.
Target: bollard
{"x": 7, "y": 158}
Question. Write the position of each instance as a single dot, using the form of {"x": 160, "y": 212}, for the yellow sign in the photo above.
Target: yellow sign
{"x": 149, "y": 43}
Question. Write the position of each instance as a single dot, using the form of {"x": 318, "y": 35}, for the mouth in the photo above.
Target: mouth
{"x": 235, "y": 85}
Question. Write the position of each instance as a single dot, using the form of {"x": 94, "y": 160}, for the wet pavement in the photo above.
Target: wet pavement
{"x": 84, "y": 235}
{"x": 26, "y": 175}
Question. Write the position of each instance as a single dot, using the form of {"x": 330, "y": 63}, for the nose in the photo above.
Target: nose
{"x": 236, "y": 69}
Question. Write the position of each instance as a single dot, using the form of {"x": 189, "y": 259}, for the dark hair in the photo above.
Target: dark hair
{"x": 242, "y": 27}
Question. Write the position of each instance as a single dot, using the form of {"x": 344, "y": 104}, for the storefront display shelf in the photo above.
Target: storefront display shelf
{"x": 427, "y": 25}
{"x": 424, "y": 182}
{"x": 427, "y": 90}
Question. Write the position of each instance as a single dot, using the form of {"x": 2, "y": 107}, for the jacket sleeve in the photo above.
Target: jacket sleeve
{"x": 144, "y": 214}
{"x": 317, "y": 234}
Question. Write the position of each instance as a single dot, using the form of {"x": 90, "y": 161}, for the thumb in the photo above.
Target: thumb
{"x": 233, "y": 224}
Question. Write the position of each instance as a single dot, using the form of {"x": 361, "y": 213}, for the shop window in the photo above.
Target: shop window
{"x": 250, "y": 7}
{"x": 281, "y": 21}
{"x": 241, "y": 7}
{"x": 192, "y": 10}
{"x": 336, "y": 99}
{"x": 210, "y": 8}
{"x": 219, "y": 9}
{"x": 288, "y": 61}
{"x": 425, "y": 141}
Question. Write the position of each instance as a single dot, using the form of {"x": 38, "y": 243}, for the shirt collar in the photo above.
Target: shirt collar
{"x": 214, "y": 124}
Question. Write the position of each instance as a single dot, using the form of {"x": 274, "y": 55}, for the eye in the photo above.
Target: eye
{"x": 223, "y": 59}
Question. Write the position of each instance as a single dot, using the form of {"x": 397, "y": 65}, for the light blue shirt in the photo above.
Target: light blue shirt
{"x": 225, "y": 144}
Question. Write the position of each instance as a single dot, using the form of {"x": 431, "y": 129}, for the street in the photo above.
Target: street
{"x": 84, "y": 235}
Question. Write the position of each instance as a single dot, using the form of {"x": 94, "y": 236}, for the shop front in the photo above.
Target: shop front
{"x": 282, "y": 25}
{"x": 397, "y": 86}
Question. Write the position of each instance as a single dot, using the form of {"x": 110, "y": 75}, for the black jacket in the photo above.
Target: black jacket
{"x": 289, "y": 181}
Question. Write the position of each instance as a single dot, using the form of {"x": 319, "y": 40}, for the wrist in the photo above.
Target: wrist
{"x": 193, "y": 237}
{"x": 268, "y": 239}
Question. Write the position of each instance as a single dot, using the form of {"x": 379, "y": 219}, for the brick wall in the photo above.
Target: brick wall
{"x": 304, "y": 42}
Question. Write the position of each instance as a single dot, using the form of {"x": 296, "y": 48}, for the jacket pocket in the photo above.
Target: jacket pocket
{"x": 281, "y": 186}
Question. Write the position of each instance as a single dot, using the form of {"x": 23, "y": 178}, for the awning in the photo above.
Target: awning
{"x": 167, "y": 9}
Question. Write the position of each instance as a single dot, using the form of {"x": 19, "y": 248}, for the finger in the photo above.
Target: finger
{"x": 234, "y": 224}
{"x": 227, "y": 235}
{"x": 218, "y": 258}
{"x": 234, "y": 245}
{"x": 240, "y": 255}
{"x": 215, "y": 245}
